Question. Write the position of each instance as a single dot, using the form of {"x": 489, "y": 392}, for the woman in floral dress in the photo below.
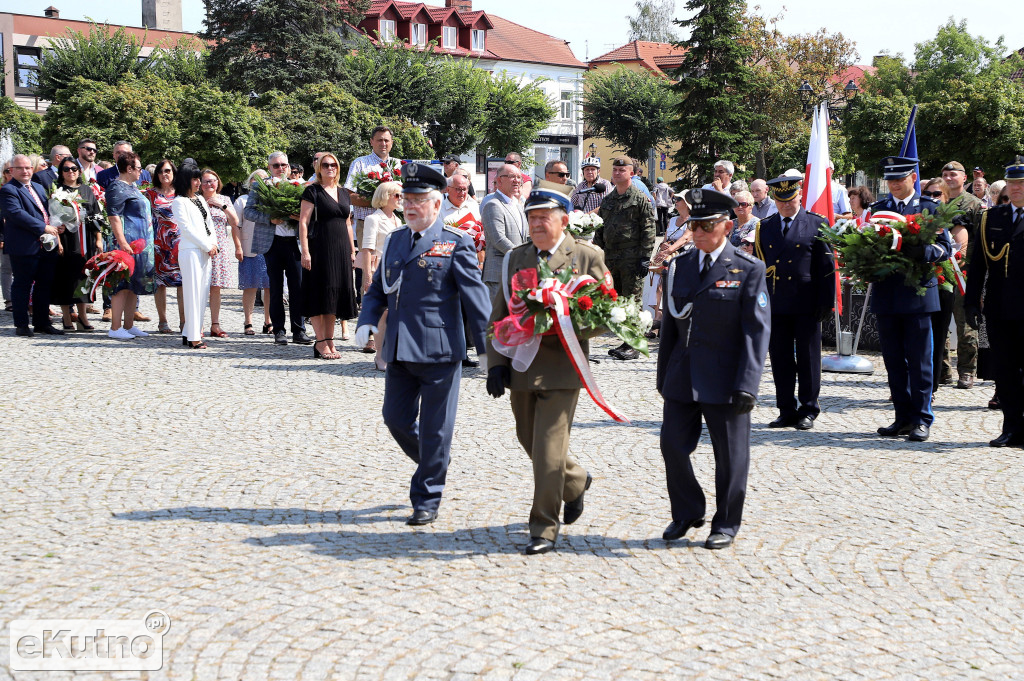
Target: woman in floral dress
{"x": 229, "y": 246}
{"x": 165, "y": 242}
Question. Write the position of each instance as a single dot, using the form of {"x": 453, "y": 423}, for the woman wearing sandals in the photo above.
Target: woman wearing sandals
{"x": 225, "y": 227}
{"x": 73, "y": 257}
{"x": 252, "y": 270}
{"x": 196, "y": 249}
{"x": 325, "y": 239}
{"x": 167, "y": 274}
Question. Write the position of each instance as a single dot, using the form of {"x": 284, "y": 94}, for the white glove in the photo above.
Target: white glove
{"x": 363, "y": 334}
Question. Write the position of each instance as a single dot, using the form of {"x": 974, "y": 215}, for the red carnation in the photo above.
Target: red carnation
{"x": 942, "y": 279}
{"x": 373, "y": 175}
{"x": 398, "y": 172}
{"x": 383, "y": 164}
{"x": 613, "y": 294}
{"x": 585, "y": 303}
{"x": 914, "y": 228}
{"x": 959, "y": 255}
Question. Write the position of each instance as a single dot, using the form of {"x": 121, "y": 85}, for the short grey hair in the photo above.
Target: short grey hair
{"x": 59, "y": 149}
{"x": 727, "y": 165}
{"x": 122, "y": 143}
{"x": 738, "y": 186}
{"x": 461, "y": 172}
{"x": 276, "y": 154}
{"x": 744, "y": 195}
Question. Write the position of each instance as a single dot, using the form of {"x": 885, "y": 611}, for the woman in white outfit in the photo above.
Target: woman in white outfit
{"x": 387, "y": 199}
{"x": 197, "y": 246}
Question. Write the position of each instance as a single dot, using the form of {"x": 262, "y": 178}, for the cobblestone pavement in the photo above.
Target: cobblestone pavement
{"x": 253, "y": 494}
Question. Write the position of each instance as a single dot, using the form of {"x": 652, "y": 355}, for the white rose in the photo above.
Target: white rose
{"x": 618, "y": 315}
{"x": 646, "y": 319}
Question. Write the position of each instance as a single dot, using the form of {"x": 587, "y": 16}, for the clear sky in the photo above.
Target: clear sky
{"x": 594, "y": 27}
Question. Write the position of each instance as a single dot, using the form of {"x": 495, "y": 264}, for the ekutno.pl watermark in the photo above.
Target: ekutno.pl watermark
{"x": 89, "y": 645}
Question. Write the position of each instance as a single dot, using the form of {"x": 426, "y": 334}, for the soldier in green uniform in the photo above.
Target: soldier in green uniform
{"x": 627, "y": 237}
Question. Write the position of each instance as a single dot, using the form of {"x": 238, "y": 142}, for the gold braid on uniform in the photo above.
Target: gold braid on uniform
{"x": 769, "y": 271}
{"x": 1004, "y": 252}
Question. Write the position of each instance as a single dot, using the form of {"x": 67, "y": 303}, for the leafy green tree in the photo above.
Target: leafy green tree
{"x": 100, "y": 55}
{"x": 25, "y": 127}
{"x": 874, "y": 126}
{"x": 263, "y": 45}
{"x": 956, "y": 55}
{"x": 183, "y": 62}
{"x": 631, "y": 109}
{"x": 515, "y": 114}
{"x": 653, "y": 21}
{"x": 459, "y": 115}
{"x": 711, "y": 119}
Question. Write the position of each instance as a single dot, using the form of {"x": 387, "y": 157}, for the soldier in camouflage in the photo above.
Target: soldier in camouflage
{"x": 627, "y": 237}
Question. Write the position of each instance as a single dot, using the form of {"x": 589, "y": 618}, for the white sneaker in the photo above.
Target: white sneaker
{"x": 137, "y": 333}
{"x": 120, "y": 334}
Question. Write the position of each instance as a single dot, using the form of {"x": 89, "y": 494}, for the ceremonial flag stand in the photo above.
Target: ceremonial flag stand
{"x": 846, "y": 360}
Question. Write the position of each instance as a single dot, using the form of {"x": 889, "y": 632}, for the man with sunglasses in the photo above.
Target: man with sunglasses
{"x": 801, "y": 283}
{"x": 955, "y": 177}
{"x": 87, "y": 159}
{"x": 505, "y": 224}
{"x": 556, "y": 171}
{"x": 713, "y": 343}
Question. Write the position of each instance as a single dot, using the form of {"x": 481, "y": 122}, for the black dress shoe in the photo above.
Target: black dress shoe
{"x": 574, "y": 509}
{"x": 918, "y": 433}
{"x": 301, "y": 338}
{"x": 23, "y": 331}
{"x": 50, "y": 330}
{"x": 280, "y": 338}
{"x": 717, "y": 540}
{"x": 421, "y": 517}
{"x": 784, "y": 422}
{"x": 470, "y": 363}
{"x": 804, "y": 423}
{"x": 627, "y": 354}
{"x": 895, "y": 429}
{"x": 538, "y": 545}
{"x": 1007, "y": 440}
{"x": 678, "y": 529}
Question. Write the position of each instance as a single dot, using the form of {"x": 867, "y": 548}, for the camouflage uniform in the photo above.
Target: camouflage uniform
{"x": 966, "y": 337}
{"x": 627, "y": 237}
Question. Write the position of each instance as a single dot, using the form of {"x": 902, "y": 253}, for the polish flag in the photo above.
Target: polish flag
{"x": 818, "y": 180}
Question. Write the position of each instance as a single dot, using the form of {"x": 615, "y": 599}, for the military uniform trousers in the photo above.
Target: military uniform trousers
{"x": 795, "y": 351}
{"x": 543, "y": 421}
{"x": 1006, "y": 337}
{"x": 940, "y": 330}
{"x": 627, "y": 277}
{"x": 906, "y": 341}
{"x": 730, "y": 439}
{"x": 430, "y": 391}
{"x": 966, "y": 343}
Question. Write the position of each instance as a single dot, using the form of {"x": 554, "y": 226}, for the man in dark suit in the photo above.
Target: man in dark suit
{"x": 105, "y": 177}
{"x": 433, "y": 270}
{"x": 996, "y": 267}
{"x": 713, "y": 345}
{"x": 801, "y": 285}
{"x": 544, "y": 395}
{"x": 23, "y": 204}
{"x": 903, "y": 317}
{"x": 46, "y": 178}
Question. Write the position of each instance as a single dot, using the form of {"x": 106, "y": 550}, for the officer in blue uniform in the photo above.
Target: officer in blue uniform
{"x": 802, "y": 288}
{"x": 713, "y": 344}
{"x": 997, "y": 266}
{"x": 903, "y": 317}
{"x": 428, "y": 275}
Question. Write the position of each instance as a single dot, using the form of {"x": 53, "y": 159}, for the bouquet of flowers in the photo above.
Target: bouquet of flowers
{"x": 367, "y": 181}
{"x": 99, "y": 221}
{"x": 279, "y": 198}
{"x": 952, "y": 273}
{"x": 65, "y": 208}
{"x": 874, "y": 249}
{"x": 109, "y": 269}
{"x": 583, "y": 225}
{"x": 471, "y": 226}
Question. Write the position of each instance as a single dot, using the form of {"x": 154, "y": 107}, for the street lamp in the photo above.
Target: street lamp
{"x": 806, "y": 92}
{"x": 593, "y": 149}
{"x": 850, "y": 91}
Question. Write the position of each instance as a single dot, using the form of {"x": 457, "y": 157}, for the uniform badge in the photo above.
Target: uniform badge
{"x": 735, "y": 271}
{"x": 762, "y": 299}
{"x": 698, "y": 195}
{"x": 727, "y": 284}
{"x": 421, "y": 262}
{"x": 441, "y": 249}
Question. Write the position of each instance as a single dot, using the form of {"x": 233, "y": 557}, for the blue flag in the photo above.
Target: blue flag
{"x": 909, "y": 148}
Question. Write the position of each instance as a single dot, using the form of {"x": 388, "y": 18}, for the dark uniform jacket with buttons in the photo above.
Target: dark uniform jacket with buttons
{"x": 718, "y": 345}
{"x": 999, "y": 253}
{"x": 424, "y": 289}
{"x": 798, "y": 266}
{"x": 629, "y": 226}
{"x": 892, "y": 295}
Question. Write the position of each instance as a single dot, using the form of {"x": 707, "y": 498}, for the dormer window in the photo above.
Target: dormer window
{"x": 478, "y": 40}
{"x": 387, "y": 30}
{"x": 451, "y": 37}
{"x": 419, "y": 35}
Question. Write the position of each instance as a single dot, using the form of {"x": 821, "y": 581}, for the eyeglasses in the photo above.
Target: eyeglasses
{"x": 558, "y": 174}
{"x": 514, "y": 163}
{"x": 419, "y": 201}
{"x": 70, "y": 169}
{"x": 165, "y": 170}
{"x": 88, "y": 149}
{"x": 212, "y": 182}
{"x": 328, "y": 165}
{"x": 21, "y": 167}
{"x": 458, "y": 189}
{"x": 515, "y": 180}
{"x": 705, "y": 225}
{"x": 934, "y": 195}
{"x": 743, "y": 204}
{"x": 280, "y": 165}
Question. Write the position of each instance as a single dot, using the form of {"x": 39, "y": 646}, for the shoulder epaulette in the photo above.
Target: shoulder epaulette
{"x": 743, "y": 255}
{"x": 453, "y": 230}
{"x": 817, "y": 215}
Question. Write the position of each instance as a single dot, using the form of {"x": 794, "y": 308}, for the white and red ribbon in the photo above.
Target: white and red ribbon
{"x": 897, "y": 240}
{"x": 961, "y": 282}
{"x": 555, "y": 296}
{"x": 99, "y": 280}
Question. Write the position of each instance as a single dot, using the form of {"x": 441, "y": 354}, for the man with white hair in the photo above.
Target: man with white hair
{"x": 433, "y": 269}
{"x": 723, "y": 171}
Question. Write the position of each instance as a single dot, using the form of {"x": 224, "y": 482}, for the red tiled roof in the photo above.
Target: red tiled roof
{"x": 1019, "y": 73}
{"x": 653, "y": 56}
{"x": 511, "y": 42}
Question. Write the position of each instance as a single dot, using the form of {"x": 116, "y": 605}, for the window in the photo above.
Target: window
{"x": 478, "y": 40}
{"x": 419, "y": 35}
{"x": 387, "y": 30}
{"x": 26, "y": 74}
{"x": 568, "y": 108}
{"x": 451, "y": 37}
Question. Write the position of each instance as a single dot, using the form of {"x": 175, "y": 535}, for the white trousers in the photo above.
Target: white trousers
{"x": 196, "y": 273}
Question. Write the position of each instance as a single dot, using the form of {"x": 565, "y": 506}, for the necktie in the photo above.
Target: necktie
{"x": 785, "y": 225}
{"x": 706, "y": 266}
{"x": 544, "y": 255}
{"x": 899, "y": 207}
{"x": 416, "y": 237}
{"x": 39, "y": 204}
{"x": 1018, "y": 216}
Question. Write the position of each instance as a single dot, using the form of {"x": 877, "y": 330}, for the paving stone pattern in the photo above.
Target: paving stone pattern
{"x": 254, "y": 494}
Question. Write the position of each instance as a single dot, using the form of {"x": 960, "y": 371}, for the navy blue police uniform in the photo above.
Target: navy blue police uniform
{"x": 425, "y": 281}
{"x": 713, "y": 345}
{"x": 904, "y": 319}
{"x": 801, "y": 284}
{"x": 997, "y": 267}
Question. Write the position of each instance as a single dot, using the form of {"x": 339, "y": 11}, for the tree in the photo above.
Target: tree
{"x": 653, "y": 21}
{"x": 263, "y": 45}
{"x": 99, "y": 56}
{"x": 515, "y": 114}
{"x": 184, "y": 62}
{"x": 711, "y": 119}
{"x": 457, "y": 122}
{"x": 631, "y": 109}
{"x": 25, "y": 127}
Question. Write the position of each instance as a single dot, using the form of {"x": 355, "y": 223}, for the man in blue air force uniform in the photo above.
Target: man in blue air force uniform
{"x": 802, "y": 287}
{"x": 903, "y": 317}
{"x": 713, "y": 345}
{"x": 428, "y": 274}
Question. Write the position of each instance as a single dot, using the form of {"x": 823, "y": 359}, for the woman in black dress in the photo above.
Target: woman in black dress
{"x": 69, "y": 272}
{"x": 326, "y": 241}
